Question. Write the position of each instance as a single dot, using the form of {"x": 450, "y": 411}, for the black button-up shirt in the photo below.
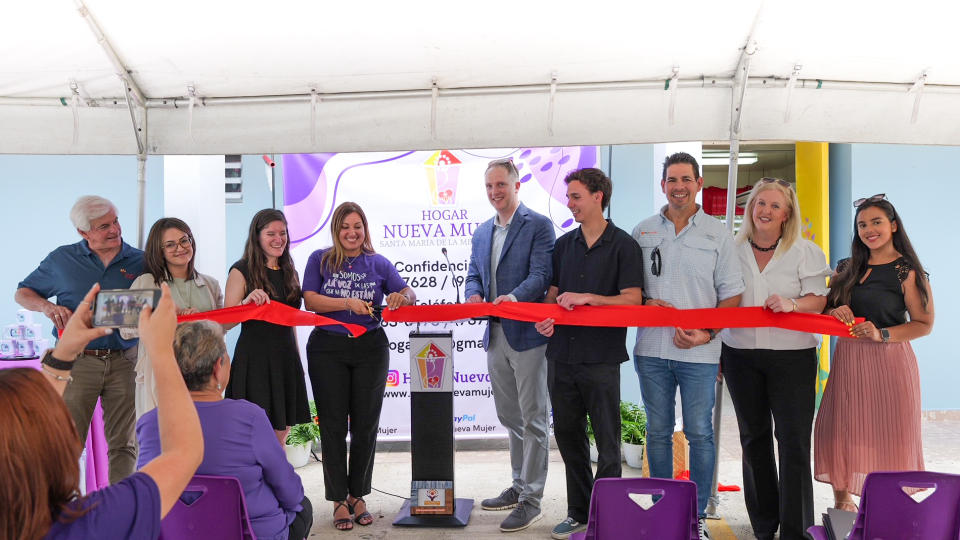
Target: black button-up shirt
{"x": 611, "y": 264}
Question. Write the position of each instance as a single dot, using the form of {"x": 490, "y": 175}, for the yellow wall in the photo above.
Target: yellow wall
{"x": 813, "y": 191}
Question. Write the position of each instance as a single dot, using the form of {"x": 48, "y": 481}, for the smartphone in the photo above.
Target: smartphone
{"x": 120, "y": 308}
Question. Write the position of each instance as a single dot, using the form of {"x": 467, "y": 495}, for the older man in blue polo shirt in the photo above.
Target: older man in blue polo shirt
{"x": 689, "y": 262}
{"x": 105, "y": 369}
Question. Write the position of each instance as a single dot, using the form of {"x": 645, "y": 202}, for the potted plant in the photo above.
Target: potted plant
{"x": 300, "y": 438}
{"x": 594, "y": 453}
{"x": 633, "y": 433}
{"x": 315, "y": 446}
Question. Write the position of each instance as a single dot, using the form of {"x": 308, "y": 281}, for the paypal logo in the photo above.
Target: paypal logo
{"x": 465, "y": 418}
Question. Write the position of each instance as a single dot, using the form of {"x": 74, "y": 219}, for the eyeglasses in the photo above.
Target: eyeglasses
{"x": 656, "y": 264}
{"x": 185, "y": 242}
{"x": 876, "y": 198}
{"x": 768, "y": 180}
{"x": 503, "y": 162}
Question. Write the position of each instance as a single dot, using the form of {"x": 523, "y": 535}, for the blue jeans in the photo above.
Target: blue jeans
{"x": 659, "y": 379}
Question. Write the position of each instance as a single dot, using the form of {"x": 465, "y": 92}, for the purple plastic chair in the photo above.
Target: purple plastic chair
{"x": 615, "y": 516}
{"x": 211, "y": 507}
{"x": 887, "y": 512}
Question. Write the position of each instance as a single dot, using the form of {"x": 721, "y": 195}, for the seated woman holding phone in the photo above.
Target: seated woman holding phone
{"x": 40, "y": 447}
{"x": 168, "y": 258}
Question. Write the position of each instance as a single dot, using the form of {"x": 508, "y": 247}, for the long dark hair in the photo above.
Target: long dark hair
{"x": 39, "y": 456}
{"x": 333, "y": 259}
{"x": 256, "y": 259}
{"x": 154, "y": 262}
{"x": 841, "y": 286}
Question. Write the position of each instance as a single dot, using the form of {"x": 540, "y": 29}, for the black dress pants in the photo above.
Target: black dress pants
{"x": 781, "y": 384}
{"x": 577, "y": 390}
{"x": 302, "y": 522}
{"x": 348, "y": 376}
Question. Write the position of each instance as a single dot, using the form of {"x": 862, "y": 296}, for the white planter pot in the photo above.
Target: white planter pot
{"x": 633, "y": 453}
{"x": 297, "y": 455}
{"x": 594, "y": 453}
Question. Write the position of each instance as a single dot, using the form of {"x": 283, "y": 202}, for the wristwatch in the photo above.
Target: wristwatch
{"x": 885, "y": 335}
{"x": 712, "y": 332}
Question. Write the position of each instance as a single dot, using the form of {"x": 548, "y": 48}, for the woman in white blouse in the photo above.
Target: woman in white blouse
{"x": 772, "y": 372}
{"x": 168, "y": 258}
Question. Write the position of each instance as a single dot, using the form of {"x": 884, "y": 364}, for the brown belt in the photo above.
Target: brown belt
{"x": 100, "y": 353}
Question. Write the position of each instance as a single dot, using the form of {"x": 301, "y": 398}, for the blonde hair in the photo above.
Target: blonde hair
{"x": 790, "y": 230}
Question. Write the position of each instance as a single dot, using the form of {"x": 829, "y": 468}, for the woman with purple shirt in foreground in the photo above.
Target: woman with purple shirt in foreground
{"x": 238, "y": 438}
{"x": 40, "y": 448}
{"x": 349, "y": 374}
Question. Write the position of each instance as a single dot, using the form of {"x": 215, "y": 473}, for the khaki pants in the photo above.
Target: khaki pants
{"x": 110, "y": 378}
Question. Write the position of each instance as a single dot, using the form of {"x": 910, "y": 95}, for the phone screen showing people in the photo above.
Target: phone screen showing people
{"x": 120, "y": 308}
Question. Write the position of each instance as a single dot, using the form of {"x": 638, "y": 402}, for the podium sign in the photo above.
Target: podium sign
{"x": 432, "y": 502}
{"x": 431, "y": 359}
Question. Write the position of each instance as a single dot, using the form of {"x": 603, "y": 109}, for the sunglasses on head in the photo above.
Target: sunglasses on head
{"x": 503, "y": 162}
{"x": 768, "y": 180}
{"x": 876, "y": 198}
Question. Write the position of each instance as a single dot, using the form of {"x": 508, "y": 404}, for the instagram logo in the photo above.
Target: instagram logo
{"x": 393, "y": 378}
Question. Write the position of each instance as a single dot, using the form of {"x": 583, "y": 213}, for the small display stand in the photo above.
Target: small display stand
{"x": 432, "y": 501}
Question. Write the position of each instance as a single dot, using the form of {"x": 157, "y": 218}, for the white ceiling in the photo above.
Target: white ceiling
{"x": 373, "y": 65}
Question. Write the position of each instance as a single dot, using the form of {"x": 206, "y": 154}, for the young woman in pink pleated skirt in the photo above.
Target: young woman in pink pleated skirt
{"x": 869, "y": 418}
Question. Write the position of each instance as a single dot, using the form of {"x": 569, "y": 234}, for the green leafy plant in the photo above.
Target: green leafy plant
{"x": 305, "y": 433}
{"x": 633, "y": 423}
{"x": 590, "y": 436}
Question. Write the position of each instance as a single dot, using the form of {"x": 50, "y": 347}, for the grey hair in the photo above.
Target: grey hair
{"x": 197, "y": 346}
{"x": 89, "y": 208}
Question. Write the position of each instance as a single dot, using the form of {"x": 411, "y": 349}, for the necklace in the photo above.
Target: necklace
{"x": 771, "y": 248}
{"x": 350, "y": 261}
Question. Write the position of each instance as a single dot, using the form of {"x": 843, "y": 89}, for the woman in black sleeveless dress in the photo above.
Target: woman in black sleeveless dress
{"x": 266, "y": 367}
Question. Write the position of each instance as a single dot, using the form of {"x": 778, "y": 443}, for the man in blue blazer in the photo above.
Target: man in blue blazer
{"x": 510, "y": 261}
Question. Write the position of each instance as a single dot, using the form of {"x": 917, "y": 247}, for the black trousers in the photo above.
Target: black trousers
{"x": 348, "y": 376}
{"x": 577, "y": 390}
{"x": 781, "y": 384}
{"x": 302, "y": 522}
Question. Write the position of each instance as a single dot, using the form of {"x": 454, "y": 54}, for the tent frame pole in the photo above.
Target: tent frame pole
{"x": 136, "y": 102}
{"x": 740, "y": 82}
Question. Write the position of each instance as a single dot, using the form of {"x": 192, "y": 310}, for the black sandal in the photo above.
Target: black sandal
{"x": 363, "y": 518}
{"x": 343, "y": 524}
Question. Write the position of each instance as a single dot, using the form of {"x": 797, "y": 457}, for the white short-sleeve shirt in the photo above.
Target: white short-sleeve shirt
{"x": 800, "y": 270}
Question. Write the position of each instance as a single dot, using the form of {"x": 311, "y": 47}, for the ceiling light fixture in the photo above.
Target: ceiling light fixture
{"x": 723, "y": 158}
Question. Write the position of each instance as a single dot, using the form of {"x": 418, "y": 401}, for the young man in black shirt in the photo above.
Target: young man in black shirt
{"x": 596, "y": 264}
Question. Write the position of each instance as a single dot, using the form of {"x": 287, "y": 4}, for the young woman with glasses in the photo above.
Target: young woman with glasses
{"x": 772, "y": 373}
{"x": 869, "y": 418}
{"x": 169, "y": 258}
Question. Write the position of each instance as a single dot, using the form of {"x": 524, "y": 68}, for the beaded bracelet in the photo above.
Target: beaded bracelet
{"x": 68, "y": 378}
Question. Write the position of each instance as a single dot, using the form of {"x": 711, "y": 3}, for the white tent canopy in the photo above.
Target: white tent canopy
{"x": 307, "y": 76}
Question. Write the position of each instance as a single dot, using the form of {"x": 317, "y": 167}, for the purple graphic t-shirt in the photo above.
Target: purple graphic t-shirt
{"x": 369, "y": 277}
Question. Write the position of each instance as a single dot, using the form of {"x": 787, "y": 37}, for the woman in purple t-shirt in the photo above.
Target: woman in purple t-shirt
{"x": 39, "y": 445}
{"x": 348, "y": 374}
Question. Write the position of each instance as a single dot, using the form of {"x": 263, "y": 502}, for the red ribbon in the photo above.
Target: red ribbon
{"x": 618, "y": 316}
{"x": 741, "y": 317}
{"x": 274, "y": 312}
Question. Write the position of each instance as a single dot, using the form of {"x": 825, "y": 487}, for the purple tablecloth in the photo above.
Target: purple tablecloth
{"x": 98, "y": 468}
